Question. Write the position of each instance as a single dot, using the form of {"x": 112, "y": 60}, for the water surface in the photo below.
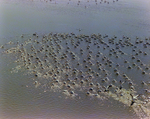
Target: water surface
{"x": 18, "y": 96}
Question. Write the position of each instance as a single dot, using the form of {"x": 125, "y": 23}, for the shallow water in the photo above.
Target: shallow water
{"x": 19, "y": 96}
{"x": 120, "y": 18}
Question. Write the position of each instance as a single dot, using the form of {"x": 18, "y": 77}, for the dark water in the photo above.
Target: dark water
{"x": 19, "y": 97}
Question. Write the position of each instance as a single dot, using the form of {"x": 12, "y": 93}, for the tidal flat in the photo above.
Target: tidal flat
{"x": 75, "y": 59}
